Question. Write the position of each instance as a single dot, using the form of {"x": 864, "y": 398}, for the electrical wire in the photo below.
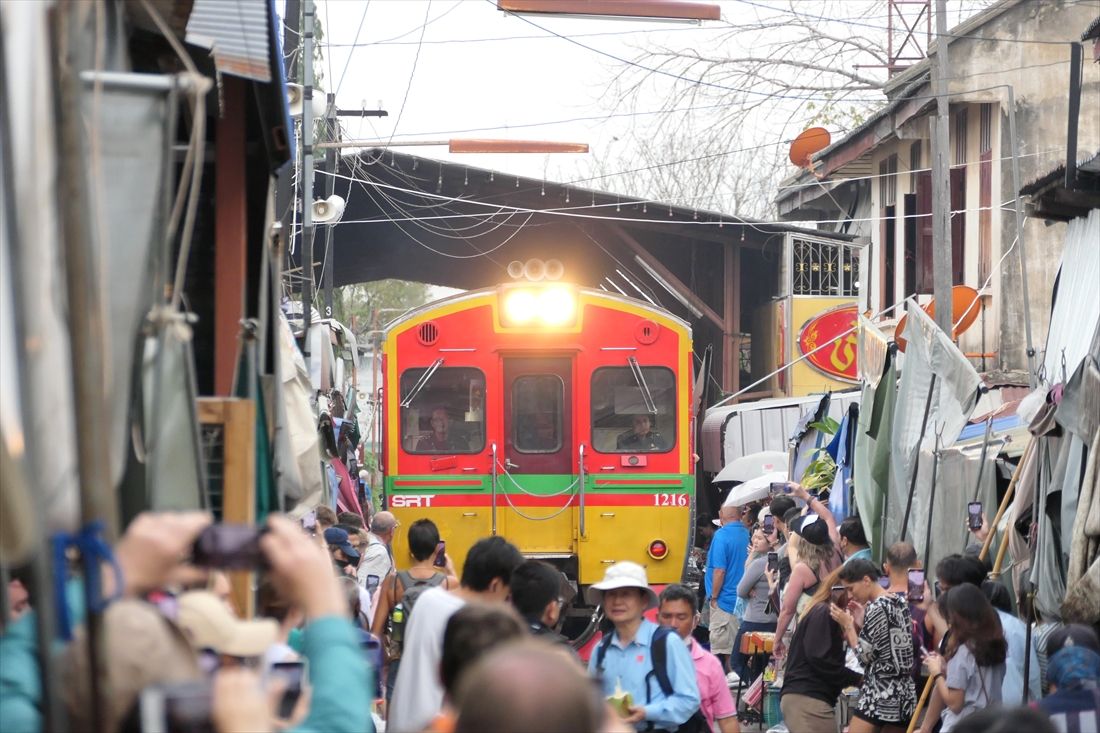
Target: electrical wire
{"x": 347, "y": 62}
{"x": 412, "y": 73}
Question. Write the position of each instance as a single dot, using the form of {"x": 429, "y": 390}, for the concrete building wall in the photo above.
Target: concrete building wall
{"x": 1039, "y": 75}
{"x": 980, "y": 69}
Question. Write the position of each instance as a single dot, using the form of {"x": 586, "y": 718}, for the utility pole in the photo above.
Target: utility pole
{"x": 332, "y": 128}
{"x": 307, "y": 174}
{"x": 941, "y": 173}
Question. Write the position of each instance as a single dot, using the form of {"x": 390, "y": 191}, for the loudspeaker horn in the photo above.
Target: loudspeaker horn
{"x": 534, "y": 269}
{"x": 295, "y": 98}
{"x": 555, "y": 270}
{"x": 328, "y": 211}
{"x": 515, "y": 269}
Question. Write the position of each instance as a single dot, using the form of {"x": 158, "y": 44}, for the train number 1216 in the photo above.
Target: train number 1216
{"x": 670, "y": 500}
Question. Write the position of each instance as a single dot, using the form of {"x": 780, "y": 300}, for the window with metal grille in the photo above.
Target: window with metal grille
{"x": 960, "y": 137}
{"x": 213, "y": 456}
{"x": 824, "y": 267}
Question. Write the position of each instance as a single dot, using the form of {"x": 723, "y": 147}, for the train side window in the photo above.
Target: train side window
{"x": 537, "y": 401}
{"x": 621, "y": 420}
{"x": 447, "y": 415}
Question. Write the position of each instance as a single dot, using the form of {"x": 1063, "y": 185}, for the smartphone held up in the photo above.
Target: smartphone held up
{"x": 974, "y": 515}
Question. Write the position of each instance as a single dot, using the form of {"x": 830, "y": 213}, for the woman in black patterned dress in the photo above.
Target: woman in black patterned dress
{"x": 884, "y": 646}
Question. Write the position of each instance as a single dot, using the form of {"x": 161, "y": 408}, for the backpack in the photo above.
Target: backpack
{"x": 402, "y": 610}
{"x": 697, "y": 723}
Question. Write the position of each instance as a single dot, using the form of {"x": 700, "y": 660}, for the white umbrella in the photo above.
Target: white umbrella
{"x": 752, "y": 466}
{"x": 754, "y": 490}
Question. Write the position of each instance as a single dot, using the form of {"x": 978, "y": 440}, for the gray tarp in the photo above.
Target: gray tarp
{"x": 876, "y": 418}
{"x": 127, "y": 180}
{"x": 954, "y": 394}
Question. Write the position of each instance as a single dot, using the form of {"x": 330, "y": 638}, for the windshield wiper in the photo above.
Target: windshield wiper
{"x": 640, "y": 379}
{"x": 421, "y": 383}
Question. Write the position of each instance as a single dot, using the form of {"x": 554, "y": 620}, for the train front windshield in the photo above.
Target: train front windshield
{"x": 443, "y": 410}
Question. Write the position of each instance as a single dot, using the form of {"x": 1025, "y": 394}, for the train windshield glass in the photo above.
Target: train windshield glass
{"x": 622, "y": 421}
{"x": 447, "y": 415}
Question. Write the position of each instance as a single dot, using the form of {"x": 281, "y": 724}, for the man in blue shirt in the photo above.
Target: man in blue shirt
{"x": 725, "y": 565}
{"x": 627, "y": 661}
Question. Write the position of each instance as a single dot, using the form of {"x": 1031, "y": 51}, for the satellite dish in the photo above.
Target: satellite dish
{"x": 966, "y": 306}
{"x": 807, "y": 143}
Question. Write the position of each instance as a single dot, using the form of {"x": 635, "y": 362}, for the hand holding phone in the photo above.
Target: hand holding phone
{"x": 440, "y": 555}
{"x": 838, "y": 595}
{"x": 916, "y": 585}
{"x": 773, "y": 561}
{"x": 230, "y": 547}
{"x": 292, "y": 677}
{"x": 769, "y": 524}
{"x": 779, "y": 487}
{"x": 974, "y": 515}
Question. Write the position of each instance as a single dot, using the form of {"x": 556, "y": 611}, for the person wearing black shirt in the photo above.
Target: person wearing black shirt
{"x": 815, "y": 675}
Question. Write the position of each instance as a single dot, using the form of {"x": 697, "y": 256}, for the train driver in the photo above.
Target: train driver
{"x": 441, "y": 440}
{"x": 641, "y": 436}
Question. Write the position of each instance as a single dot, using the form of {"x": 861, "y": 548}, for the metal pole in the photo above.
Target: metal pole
{"x": 493, "y": 479}
{"x": 284, "y": 191}
{"x": 36, "y": 452}
{"x": 916, "y": 458}
{"x": 79, "y": 253}
{"x": 931, "y": 505}
{"x": 941, "y": 177}
{"x": 330, "y": 183}
{"x": 1021, "y": 247}
{"x": 307, "y": 176}
{"x": 981, "y": 468}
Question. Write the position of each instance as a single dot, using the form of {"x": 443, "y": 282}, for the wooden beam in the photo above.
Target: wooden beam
{"x": 673, "y": 281}
{"x": 230, "y": 234}
{"x": 238, "y": 420}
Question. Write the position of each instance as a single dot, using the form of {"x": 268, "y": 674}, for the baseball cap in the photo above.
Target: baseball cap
{"x": 811, "y": 528}
{"x": 1072, "y": 635}
{"x": 208, "y": 623}
{"x": 336, "y": 537}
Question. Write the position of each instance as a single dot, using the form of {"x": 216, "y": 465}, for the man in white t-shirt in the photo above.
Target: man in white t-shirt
{"x": 377, "y": 560}
{"x": 486, "y": 576}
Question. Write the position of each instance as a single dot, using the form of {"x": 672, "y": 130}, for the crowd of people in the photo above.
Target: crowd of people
{"x": 850, "y": 635}
{"x": 344, "y": 636}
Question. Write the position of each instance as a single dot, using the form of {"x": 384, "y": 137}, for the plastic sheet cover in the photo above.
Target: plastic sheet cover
{"x": 951, "y": 398}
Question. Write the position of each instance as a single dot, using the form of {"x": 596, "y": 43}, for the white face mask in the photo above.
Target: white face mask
{"x": 687, "y": 642}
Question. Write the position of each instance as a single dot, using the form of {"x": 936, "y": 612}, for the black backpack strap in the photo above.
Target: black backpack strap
{"x": 658, "y": 653}
{"x": 601, "y": 651}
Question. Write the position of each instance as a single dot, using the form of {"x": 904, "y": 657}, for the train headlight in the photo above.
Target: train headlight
{"x": 557, "y": 306}
{"x": 658, "y": 549}
{"x": 520, "y": 307}
{"x": 554, "y": 306}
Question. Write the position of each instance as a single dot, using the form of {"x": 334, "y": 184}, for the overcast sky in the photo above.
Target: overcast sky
{"x": 462, "y": 68}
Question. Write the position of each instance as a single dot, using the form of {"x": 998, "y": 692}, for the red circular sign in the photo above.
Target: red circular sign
{"x": 829, "y": 330}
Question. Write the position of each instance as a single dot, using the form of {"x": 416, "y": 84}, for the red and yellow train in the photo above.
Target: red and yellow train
{"x": 556, "y": 416}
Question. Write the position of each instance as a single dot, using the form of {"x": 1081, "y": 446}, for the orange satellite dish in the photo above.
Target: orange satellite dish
{"x": 966, "y": 306}
{"x": 807, "y": 143}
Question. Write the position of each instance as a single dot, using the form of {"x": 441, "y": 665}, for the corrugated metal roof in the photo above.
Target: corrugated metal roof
{"x": 238, "y": 33}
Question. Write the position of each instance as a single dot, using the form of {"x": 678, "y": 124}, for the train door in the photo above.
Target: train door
{"x": 538, "y": 462}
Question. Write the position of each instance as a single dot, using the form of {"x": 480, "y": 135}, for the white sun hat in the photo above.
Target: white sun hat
{"x": 623, "y": 574}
